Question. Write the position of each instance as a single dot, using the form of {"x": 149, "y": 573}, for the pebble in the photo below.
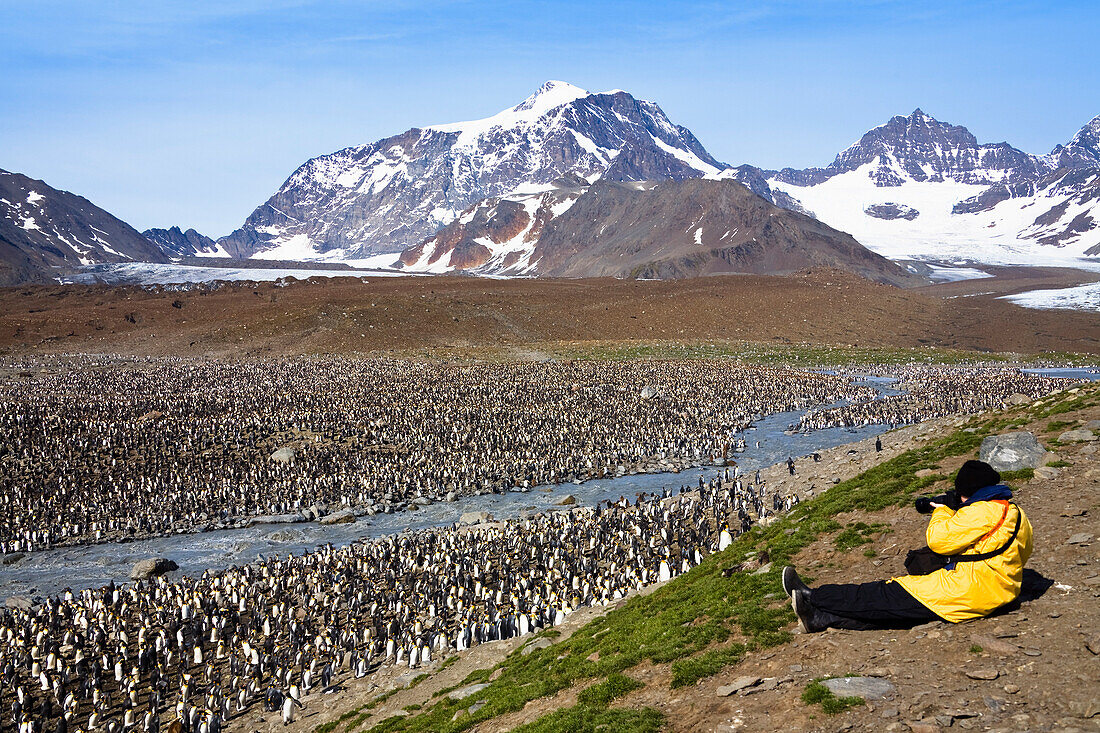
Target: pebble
{"x": 983, "y": 674}
{"x": 1080, "y": 538}
{"x": 737, "y": 685}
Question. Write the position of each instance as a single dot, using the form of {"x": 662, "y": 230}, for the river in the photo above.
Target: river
{"x": 48, "y": 572}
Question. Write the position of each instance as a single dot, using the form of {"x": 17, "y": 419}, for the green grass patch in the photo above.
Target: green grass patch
{"x": 1059, "y": 464}
{"x": 976, "y": 649}
{"x": 1024, "y": 474}
{"x": 591, "y": 712}
{"x": 818, "y": 694}
{"x": 687, "y": 621}
{"x": 578, "y": 718}
{"x": 858, "y": 533}
{"x": 692, "y": 669}
{"x": 1057, "y": 426}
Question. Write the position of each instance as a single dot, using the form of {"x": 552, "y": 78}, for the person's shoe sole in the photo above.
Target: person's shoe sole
{"x": 801, "y": 605}
{"x": 791, "y": 581}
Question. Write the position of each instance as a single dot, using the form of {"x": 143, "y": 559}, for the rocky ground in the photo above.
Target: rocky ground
{"x": 1033, "y": 667}
{"x": 450, "y": 315}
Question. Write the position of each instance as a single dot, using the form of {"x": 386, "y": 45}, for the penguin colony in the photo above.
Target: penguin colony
{"x": 936, "y": 391}
{"x": 112, "y": 449}
{"x": 203, "y": 650}
{"x": 166, "y": 445}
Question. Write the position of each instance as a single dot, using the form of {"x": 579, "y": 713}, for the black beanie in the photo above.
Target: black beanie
{"x": 975, "y": 475}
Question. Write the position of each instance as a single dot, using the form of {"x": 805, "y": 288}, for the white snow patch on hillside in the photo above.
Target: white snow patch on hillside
{"x": 149, "y": 273}
{"x": 687, "y": 157}
{"x": 552, "y": 95}
{"x": 1080, "y": 297}
{"x": 996, "y": 236}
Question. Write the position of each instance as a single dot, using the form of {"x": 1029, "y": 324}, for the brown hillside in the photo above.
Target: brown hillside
{"x": 382, "y": 314}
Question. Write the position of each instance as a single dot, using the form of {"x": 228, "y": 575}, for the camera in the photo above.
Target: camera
{"x": 950, "y": 500}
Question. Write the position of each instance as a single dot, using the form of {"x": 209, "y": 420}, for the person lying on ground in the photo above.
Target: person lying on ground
{"x": 978, "y": 544}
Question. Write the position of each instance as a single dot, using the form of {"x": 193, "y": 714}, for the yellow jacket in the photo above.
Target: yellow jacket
{"x": 973, "y": 589}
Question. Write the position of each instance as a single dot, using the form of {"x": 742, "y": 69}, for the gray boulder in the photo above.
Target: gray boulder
{"x": 1081, "y": 435}
{"x": 284, "y": 455}
{"x": 567, "y": 500}
{"x": 467, "y": 691}
{"x": 1012, "y": 451}
{"x": 11, "y": 558}
{"x": 19, "y": 602}
{"x": 869, "y": 688}
{"x": 344, "y": 516}
{"x": 152, "y": 567}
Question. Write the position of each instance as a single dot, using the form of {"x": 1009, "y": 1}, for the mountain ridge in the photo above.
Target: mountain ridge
{"x": 388, "y": 195}
{"x": 46, "y": 232}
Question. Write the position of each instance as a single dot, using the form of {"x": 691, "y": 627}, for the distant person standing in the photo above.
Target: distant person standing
{"x": 790, "y": 465}
{"x": 878, "y": 445}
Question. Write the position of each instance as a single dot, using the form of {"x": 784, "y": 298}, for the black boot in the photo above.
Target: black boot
{"x": 791, "y": 581}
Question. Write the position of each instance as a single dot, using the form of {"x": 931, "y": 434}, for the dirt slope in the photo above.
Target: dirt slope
{"x": 385, "y": 314}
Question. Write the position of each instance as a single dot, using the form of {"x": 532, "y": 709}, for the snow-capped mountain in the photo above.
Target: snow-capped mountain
{"x": 177, "y": 244}
{"x": 45, "y": 232}
{"x": 920, "y": 188}
{"x": 665, "y": 229}
{"x": 392, "y": 194}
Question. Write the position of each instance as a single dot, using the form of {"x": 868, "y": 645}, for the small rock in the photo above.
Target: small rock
{"x": 1093, "y": 644}
{"x": 1080, "y": 435}
{"x": 995, "y": 704}
{"x": 451, "y": 496}
{"x": 982, "y": 674}
{"x": 796, "y": 667}
{"x": 475, "y": 518}
{"x": 869, "y": 688}
{"x": 889, "y": 713}
{"x": 741, "y": 683}
{"x": 993, "y": 646}
{"x": 23, "y": 604}
{"x": 284, "y": 455}
{"x": 924, "y": 726}
{"x": 467, "y": 691}
{"x": 1085, "y": 708}
{"x": 345, "y": 516}
{"x": 152, "y": 567}
{"x": 567, "y": 500}
{"x": 540, "y": 643}
{"x": 1081, "y": 538}
{"x": 1011, "y": 689}
{"x": 1046, "y": 472}
{"x": 478, "y": 706}
{"x": 496, "y": 674}
{"x": 12, "y": 557}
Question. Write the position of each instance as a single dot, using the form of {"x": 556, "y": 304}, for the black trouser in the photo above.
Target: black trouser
{"x": 877, "y": 605}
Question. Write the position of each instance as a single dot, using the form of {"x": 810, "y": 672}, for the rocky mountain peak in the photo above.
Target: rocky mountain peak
{"x": 176, "y": 243}
{"x": 386, "y": 196}
{"x": 918, "y": 147}
{"x": 1083, "y": 150}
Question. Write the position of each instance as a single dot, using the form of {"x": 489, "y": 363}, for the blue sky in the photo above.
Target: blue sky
{"x": 192, "y": 113}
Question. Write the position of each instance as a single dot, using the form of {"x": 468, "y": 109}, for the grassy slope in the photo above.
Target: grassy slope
{"x": 701, "y": 621}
